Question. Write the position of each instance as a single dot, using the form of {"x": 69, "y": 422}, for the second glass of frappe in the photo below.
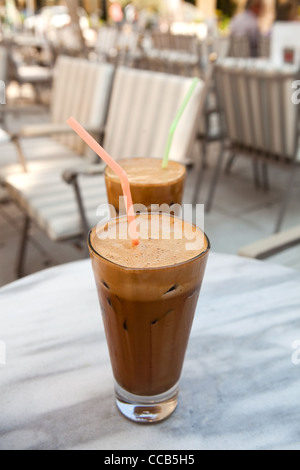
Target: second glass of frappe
{"x": 150, "y": 184}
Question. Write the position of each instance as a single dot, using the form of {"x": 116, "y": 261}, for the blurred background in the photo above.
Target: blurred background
{"x": 44, "y": 17}
{"x": 185, "y": 38}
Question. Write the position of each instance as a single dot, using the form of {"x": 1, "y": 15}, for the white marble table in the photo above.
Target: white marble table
{"x": 240, "y": 387}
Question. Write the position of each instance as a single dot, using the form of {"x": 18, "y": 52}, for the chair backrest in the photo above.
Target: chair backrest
{"x": 177, "y": 42}
{"x": 259, "y": 112}
{"x": 285, "y": 46}
{"x": 221, "y": 46}
{"x": 3, "y": 64}
{"x": 106, "y": 40}
{"x": 265, "y": 46}
{"x": 161, "y": 40}
{"x": 142, "y": 108}
{"x": 239, "y": 47}
{"x": 127, "y": 40}
{"x": 184, "y": 42}
{"x": 80, "y": 89}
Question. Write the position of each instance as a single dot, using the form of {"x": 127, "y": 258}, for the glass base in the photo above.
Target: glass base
{"x": 146, "y": 409}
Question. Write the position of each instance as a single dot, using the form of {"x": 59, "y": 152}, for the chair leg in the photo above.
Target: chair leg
{"x": 37, "y": 93}
{"x": 215, "y": 180}
{"x": 22, "y": 248}
{"x": 286, "y": 199}
{"x": 230, "y": 164}
{"x": 265, "y": 175}
{"x": 256, "y": 174}
{"x": 84, "y": 221}
{"x": 20, "y": 152}
{"x": 201, "y": 171}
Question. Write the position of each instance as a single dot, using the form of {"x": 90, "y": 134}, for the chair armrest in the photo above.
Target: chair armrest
{"x": 70, "y": 175}
{"x": 18, "y": 109}
{"x": 272, "y": 245}
{"x": 42, "y": 130}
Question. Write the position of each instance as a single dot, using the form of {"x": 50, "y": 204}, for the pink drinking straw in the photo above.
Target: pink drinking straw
{"x": 91, "y": 142}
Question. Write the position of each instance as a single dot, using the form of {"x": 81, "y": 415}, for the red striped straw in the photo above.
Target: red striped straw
{"x": 91, "y": 142}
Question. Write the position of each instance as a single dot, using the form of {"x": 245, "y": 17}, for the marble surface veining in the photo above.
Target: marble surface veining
{"x": 240, "y": 386}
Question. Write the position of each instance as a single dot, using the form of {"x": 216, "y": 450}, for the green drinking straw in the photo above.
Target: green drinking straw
{"x": 176, "y": 121}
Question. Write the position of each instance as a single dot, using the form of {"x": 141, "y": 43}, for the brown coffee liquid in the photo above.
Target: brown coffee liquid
{"x": 148, "y": 171}
{"x": 149, "y": 182}
{"x": 148, "y": 295}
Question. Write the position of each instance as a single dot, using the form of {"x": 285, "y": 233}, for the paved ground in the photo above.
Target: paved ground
{"x": 241, "y": 214}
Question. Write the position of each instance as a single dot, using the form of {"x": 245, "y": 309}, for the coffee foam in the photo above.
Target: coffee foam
{"x": 149, "y": 171}
{"x": 164, "y": 241}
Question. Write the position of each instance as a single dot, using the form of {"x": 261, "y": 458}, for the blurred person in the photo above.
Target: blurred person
{"x": 287, "y": 11}
{"x": 246, "y": 24}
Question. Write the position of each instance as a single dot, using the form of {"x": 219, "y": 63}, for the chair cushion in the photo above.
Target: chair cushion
{"x": 51, "y": 203}
{"x": 42, "y": 154}
{"x": 34, "y": 74}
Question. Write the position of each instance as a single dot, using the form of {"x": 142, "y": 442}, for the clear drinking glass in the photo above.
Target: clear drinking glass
{"x": 147, "y": 314}
{"x": 149, "y": 183}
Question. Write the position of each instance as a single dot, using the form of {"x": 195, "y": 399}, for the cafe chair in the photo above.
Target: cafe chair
{"x": 260, "y": 120}
{"x": 142, "y": 107}
{"x": 79, "y": 88}
{"x": 265, "y": 46}
{"x": 106, "y": 43}
{"x": 174, "y": 53}
{"x": 239, "y": 47}
{"x": 128, "y": 48}
{"x": 36, "y": 75}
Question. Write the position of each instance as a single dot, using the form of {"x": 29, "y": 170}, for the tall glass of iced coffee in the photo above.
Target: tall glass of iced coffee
{"x": 148, "y": 295}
